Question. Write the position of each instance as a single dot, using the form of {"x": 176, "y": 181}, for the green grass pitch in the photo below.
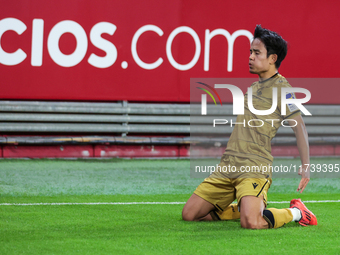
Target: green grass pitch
{"x": 145, "y": 228}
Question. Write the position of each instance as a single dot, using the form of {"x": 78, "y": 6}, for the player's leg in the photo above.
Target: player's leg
{"x": 196, "y": 208}
{"x": 229, "y": 213}
{"x": 277, "y": 218}
{"x": 252, "y": 197}
{"x": 251, "y": 209}
{"x": 211, "y": 200}
{"x": 297, "y": 212}
{"x": 255, "y": 215}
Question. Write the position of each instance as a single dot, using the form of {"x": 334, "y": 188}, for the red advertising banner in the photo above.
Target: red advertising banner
{"x": 148, "y": 50}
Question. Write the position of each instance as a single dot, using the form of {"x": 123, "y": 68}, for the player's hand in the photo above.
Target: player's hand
{"x": 305, "y": 177}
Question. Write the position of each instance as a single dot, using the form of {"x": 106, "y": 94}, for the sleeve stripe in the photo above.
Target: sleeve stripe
{"x": 294, "y": 113}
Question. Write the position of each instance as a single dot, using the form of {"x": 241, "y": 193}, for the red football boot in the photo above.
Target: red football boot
{"x": 308, "y": 218}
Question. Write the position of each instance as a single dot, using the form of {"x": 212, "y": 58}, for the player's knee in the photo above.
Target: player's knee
{"x": 187, "y": 215}
{"x": 250, "y": 223}
{"x": 245, "y": 223}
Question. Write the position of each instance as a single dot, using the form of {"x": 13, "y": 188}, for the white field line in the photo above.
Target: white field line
{"x": 151, "y": 203}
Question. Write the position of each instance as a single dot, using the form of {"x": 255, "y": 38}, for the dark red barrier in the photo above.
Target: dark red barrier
{"x": 132, "y": 151}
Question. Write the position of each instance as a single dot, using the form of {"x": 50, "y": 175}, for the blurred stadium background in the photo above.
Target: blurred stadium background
{"x": 112, "y": 79}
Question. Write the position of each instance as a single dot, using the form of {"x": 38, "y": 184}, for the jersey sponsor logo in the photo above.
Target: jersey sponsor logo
{"x": 291, "y": 107}
{"x": 255, "y": 185}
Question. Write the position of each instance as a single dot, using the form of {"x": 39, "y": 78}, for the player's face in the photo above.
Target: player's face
{"x": 259, "y": 63}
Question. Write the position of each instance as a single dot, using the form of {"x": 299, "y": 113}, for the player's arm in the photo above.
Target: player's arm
{"x": 303, "y": 147}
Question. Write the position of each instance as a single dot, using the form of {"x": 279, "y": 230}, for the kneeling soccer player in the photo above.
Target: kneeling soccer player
{"x": 251, "y": 146}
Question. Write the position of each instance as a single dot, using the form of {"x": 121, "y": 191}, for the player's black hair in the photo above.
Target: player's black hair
{"x": 273, "y": 42}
